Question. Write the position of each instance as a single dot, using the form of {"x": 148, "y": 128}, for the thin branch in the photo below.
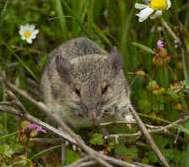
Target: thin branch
{"x": 170, "y": 31}
{"x": 30, "y": 118}
{"x": 143, "y": 165}
{"x": 47, "y": 140}
{"x": 180, "y": 43}
{"x": 148, "y": 137}
{"x": 154, "y": 129}
{"x": 98, "y": 157}
{"x": 61, "y": 124}
{"x": 120, "y": 162}
{"x": 79, "y": 162}
{"x": 87, "y": 164}
{"x": 63, "y": 148}
{"x": 125, "y": 122}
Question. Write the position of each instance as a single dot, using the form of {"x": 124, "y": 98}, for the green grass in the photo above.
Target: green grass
{"x": 109, "y": 23}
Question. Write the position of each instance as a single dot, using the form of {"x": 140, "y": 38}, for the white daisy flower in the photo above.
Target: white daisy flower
{"x": 28, "y": 32}
{"x": 152, "y": 9}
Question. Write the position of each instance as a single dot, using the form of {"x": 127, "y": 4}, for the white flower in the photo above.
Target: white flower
{"x": 153, "y": 9}
{"x": 28, "y": 32}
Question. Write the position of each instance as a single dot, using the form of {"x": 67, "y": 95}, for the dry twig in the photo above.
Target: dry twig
{"x": 153, "y": 129}
{"x": 100, "y": 158}
{"x": 148, "y": 137}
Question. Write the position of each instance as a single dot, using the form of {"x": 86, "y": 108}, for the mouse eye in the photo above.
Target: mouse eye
{"x": 104, "y": 89}
{"x": 77, "y": 91}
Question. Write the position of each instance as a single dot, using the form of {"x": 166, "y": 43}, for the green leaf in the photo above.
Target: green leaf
{"x": 186, "y": 124}
{"x": 45, "y": 151}
{"x": 71, "y": 156}
{"x": 97, "y": 139}
{"x": 151, "y": 157}
{"x": 143, "y": 47}
{"x": 6, "y": 150}
{"x": 185, "y": 159}
{"x": 122, "y": 150}
{"x": 24, "y": 64}
{"x": 144, "y": 105}
{"x": 5, "y": 165}
{"x": 161, "y": 141}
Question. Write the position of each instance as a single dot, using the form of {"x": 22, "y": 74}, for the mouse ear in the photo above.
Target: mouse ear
{"x": 64, "y": 68}
{"x": 115, "y": 60}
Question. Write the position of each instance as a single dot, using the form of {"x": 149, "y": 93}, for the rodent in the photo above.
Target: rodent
{"x": 84, "y": 84}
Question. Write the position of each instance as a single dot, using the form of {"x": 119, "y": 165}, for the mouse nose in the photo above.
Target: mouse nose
{"x": 92, "y": 114}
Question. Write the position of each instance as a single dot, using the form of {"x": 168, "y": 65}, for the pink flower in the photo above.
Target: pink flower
{"x": 36, "y": 127}
{"x": 160, "y": 44}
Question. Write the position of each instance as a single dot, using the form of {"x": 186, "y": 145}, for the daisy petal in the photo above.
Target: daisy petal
{"x": 21, "y": 27}
{"x": 31, "y": 27}
{"x": 20, "y": 32}
{"x": 36, "y": 32}
{"x": 27, "y": 26}
{"x": 144, "y": 14}
{"x": 23, "y": 37}
{"x": 168, "y": 4}
{"x": 33, "y": 36}
{"x": 29, "y": 40}
{"x": 140, "y": 6}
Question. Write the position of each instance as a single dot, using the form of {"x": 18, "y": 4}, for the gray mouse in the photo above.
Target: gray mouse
{"x": 84, "y": 84}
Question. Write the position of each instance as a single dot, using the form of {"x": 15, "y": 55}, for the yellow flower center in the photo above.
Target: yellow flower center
{"x": 158, "y": 4}
{"x": 27, "y": 34}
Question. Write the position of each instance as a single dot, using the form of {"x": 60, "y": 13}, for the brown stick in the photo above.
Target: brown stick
{"x": 80, "y": 162}
{"x": 61, "y": 124}
{"x": 13, "y": 111}
{"x": 170, "y": 31}
{"x": 30, "y": 118}
{"x": 154, "y": 129}
{"x": 100, "y": 158}
{"x": 148, "y": 137}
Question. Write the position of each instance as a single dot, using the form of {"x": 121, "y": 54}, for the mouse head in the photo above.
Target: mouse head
{"x": 92, "y": 85}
